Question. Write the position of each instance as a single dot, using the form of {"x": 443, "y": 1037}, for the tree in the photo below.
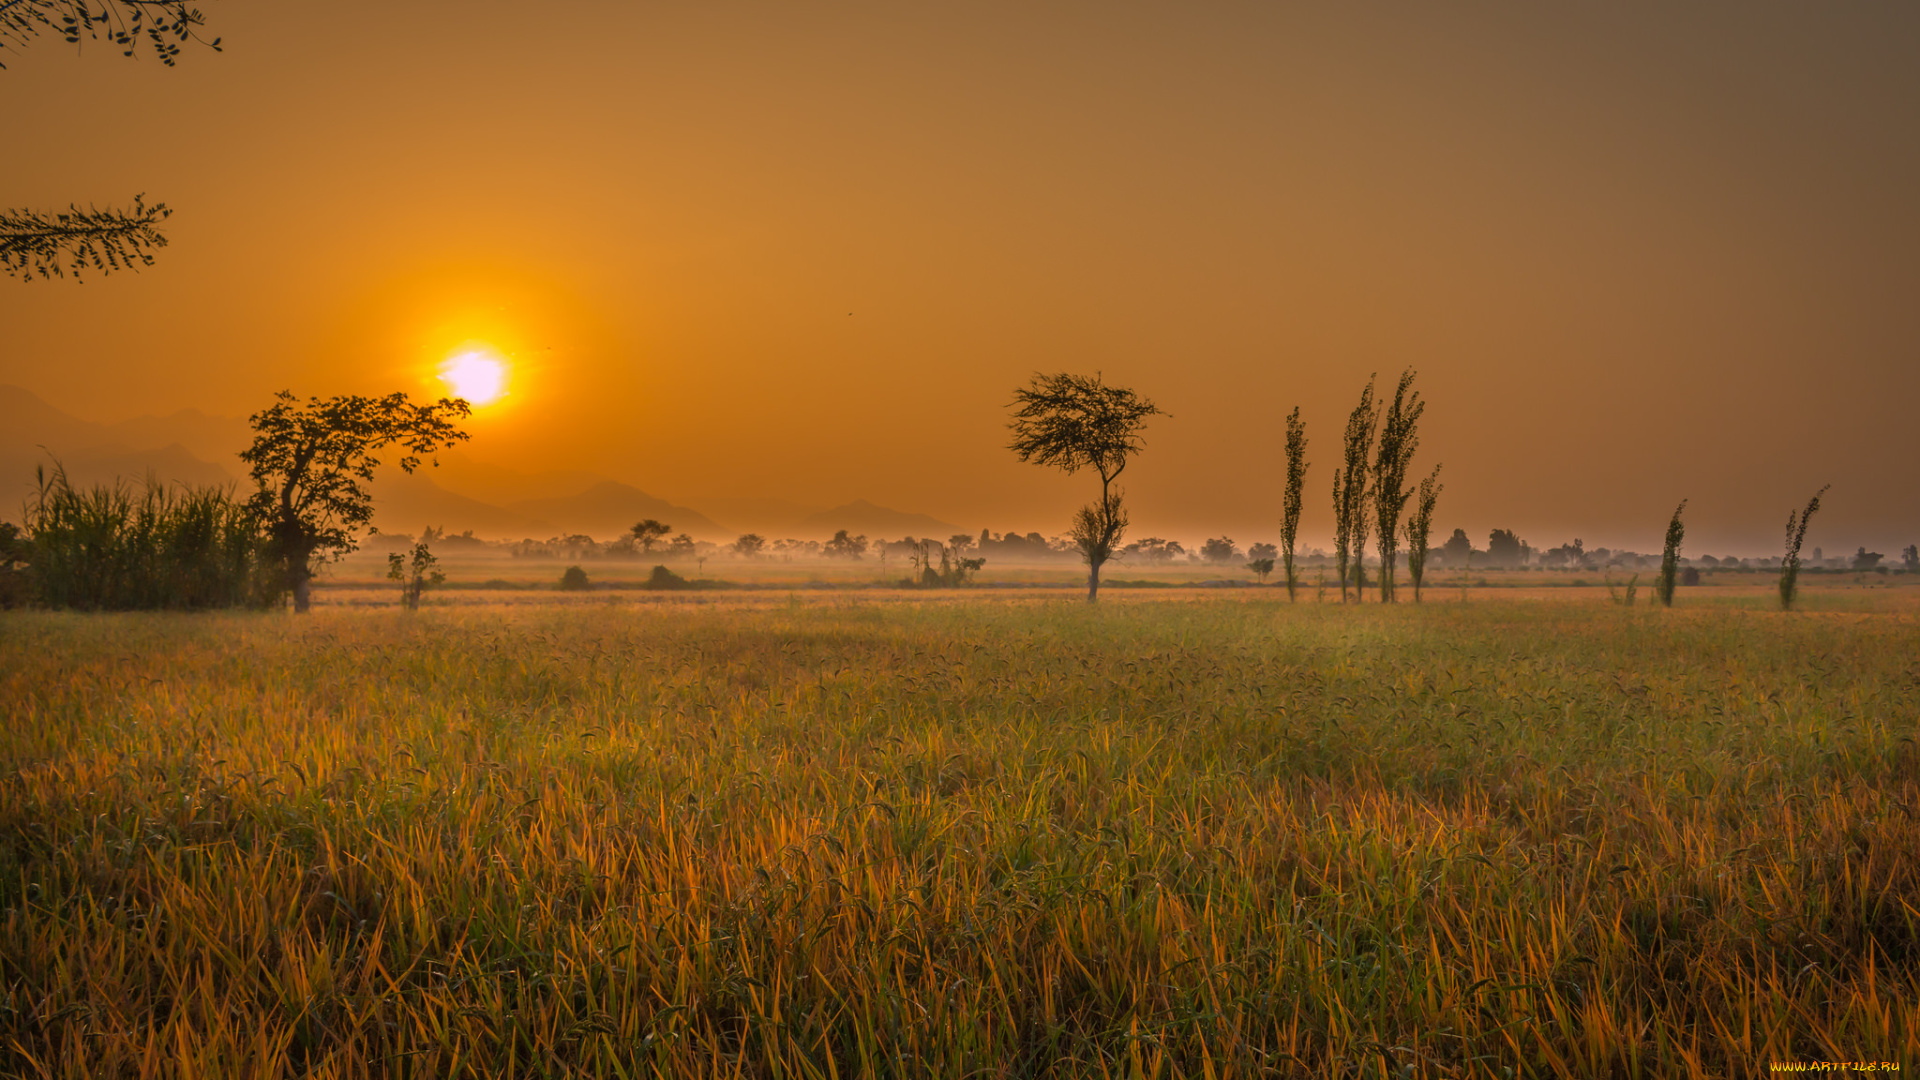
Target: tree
{"x": 1072, "y": 422}
{"x": 1290, "y": 500}
{"x": 680, "y": 547}
{"x": 1458, "y": 550}
{"x": 1263, "y": 551}
{"x": 1350, "y": 491}
{"x": 415, "y": 579}
{"x": 1399, "y": 438}
{"x": 749, "y": 545}
{"x": 34, "y": 243}
{"x": 1866, "y": 560}
{"x": 1910, "y": 557}
{"x": 1420, "y": 526}
{"x": 1154, "y": 550}
{"x": 1263, "y": 567}
{"x": 1670, "y": 555}
{"x": 843, "y": 546}
{"x": 1220, "y": 549}
{"x": 649, "y": 532}
{"x": 1797, "y": 522}
{"x": 1506, "y": 549}
{"x": 309, "y": 463}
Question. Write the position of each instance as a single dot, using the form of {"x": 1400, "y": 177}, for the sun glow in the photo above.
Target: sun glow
{"x": 477, "y": 377}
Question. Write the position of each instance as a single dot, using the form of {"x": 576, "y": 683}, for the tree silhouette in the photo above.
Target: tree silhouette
{"x": 38, "y": 244}
{"x": 1420, "y": 527}
{"x": 1399, "y": 438}
{"x": 309, "y": 463}
{"x": 1797, "y": 522}
{"x": 1350, "y": 492}
{"x": 1073, "y": 422}
{"x": 1670, "y": 555}
{"x": 648, "y": 533}
{"x": 1290, "y": 500}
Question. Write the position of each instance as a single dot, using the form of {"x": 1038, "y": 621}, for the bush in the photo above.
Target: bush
{"x": 112, "y": 548}
{"x": 663, "y": 578}
{"x": 574, "y": 580}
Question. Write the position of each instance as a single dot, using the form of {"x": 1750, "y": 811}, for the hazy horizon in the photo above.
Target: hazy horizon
{"x": 759, "y": 253}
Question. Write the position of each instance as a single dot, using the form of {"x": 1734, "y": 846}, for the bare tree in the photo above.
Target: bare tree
{"x": 1073, "y": 422}
{"x": 49, "y": 245}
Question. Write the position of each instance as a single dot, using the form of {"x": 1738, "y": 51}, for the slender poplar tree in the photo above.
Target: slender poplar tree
{"x": 1796, "y": 535}
{"x": 1670, "y": 556}
{"x": 1399, "y": 439}
{"x": 1290, "y": 502}
{"x": 1350, "y": 492}
{"x": 1420, "y": 526}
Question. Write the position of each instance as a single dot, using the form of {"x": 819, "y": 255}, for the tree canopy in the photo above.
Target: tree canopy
{"x": 1073, "y": 422}
{"x": 310, "y": 463}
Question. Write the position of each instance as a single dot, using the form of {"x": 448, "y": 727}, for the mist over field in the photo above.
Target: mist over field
{"x": 762, "y": 541}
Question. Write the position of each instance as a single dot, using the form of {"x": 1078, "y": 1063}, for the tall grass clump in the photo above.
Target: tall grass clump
{"x": 1670, "y": 557}
{"x": 114, "y": 547}
{"x": 1796, "y": 535}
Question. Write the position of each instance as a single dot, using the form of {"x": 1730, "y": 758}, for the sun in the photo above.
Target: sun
{"x": 475, "y": 376}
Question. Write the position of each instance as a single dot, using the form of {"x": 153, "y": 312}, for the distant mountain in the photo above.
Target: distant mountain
{"x": 34, "y": 433}
{"x": 863, "y": 517}
{"x": 769, "y": 517}
{"x": 501, "y": 485}
{"x": 609, "y": 508}
{"x": 217, "y": 439}
{"x": 408, "y": 503}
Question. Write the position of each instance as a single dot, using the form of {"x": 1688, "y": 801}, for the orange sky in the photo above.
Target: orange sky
{"x": 807, "y": 252}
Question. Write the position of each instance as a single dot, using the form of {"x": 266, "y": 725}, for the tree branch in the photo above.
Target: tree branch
{"x": 102, "y": 240}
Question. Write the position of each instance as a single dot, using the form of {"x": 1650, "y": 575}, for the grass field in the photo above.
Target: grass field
{"x": 994, "y": 834}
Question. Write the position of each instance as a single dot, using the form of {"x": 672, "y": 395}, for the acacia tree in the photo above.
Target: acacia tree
{"x": 1290, "y": 501}
{"x": 1399, "y": 438}
{"x": 48, "y": 245}
{"x": 1350, "y": 491}
{"x": 1072, "y": 422}
{"x": 309, "y": 463}
{"x": 649, "y": 533}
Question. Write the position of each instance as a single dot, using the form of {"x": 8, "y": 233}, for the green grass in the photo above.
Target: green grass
{"x": 829, "y": 836}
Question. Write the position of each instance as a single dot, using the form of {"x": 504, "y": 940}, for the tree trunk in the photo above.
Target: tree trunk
{"x": 1093, "y": 582}
{"x": 302, "y": 593}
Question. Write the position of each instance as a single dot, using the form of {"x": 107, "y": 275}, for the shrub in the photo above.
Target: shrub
{"x": 662, "y": 578}
{"x": 574, "y": 580}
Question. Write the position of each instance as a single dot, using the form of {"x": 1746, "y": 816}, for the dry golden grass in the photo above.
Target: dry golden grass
{"x": 833, "y": 838}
